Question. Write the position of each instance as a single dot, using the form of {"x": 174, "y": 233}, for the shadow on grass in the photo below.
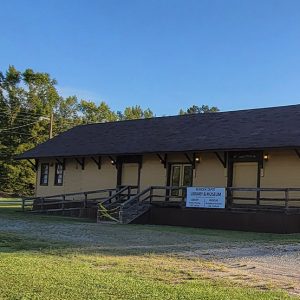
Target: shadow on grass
{"x": 11, "y": 241}
{"x": 17, "y": 213}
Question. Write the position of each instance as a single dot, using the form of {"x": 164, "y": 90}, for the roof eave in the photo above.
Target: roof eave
{"x": 23, "y": 157}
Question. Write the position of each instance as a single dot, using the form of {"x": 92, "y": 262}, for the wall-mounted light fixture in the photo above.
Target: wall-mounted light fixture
{"x": 266, "y": 157}
{"x": 112, "y": 160}
{"x": 197, "y": 159}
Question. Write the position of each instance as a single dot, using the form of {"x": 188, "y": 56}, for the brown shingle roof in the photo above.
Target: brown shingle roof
{"x": 275, "y": 127}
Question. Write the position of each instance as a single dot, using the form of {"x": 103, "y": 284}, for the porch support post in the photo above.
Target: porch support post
{"x": 229, "y": 180}
{"x": 119, "y": 168}
{"x": 260, "y": 167}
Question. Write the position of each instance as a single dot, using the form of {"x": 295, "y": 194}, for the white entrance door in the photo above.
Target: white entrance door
{"x": 181, "y": 175}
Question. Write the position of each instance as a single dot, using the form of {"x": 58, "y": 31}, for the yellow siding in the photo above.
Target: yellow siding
{"x": 78, "y": 180}
{"x": 209, "y": 172}
{"x": 130, "y": 173}
{"x": 152, "y": 172}
{"x": 245, "y": 175}
{"x": 281, "y": 170}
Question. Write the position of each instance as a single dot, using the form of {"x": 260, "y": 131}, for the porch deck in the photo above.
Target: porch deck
{"x": 165, "y": 205}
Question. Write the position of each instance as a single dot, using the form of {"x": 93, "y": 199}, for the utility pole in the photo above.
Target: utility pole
{"x": 51, "y": 126}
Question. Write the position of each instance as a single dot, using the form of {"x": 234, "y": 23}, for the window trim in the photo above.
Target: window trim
{"x": 42, "y": 175}
{"x": 56, "y": 175}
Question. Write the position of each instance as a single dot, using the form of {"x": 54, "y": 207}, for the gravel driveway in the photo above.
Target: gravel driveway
{"x": 262, "y": 262}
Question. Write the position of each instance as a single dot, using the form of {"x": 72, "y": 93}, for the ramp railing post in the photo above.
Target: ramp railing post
{"x": 63, "y": 202}
{"x": 42, "y": 203}
{"x": 85, "y": 200}
{"x": 286, "y": 199}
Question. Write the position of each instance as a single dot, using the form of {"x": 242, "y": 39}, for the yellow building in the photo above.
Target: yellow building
{"x": 253, "y": 154}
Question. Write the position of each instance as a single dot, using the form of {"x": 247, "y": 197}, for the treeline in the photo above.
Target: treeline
{"x": 28, "y": 100}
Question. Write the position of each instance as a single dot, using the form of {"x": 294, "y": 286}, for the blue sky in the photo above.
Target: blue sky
{"x": 162, "y": 54}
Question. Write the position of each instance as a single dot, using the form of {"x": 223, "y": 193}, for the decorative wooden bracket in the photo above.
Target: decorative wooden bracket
{"x": 35, "y": 164}
{"x": 223, "y": 159}
{"x": 163, "y": 160}
{"x": 97, "y": 161}
{"x": 192, "y": 160}
{"x": 297, "y": 152}
{"x": 62, "y": 162}
{"x": 81, "y": 162}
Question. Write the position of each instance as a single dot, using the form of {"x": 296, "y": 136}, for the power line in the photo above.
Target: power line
{"x": 7, "y": 129}
{"x": 20, "y": 117}
{"x": 21, "y": 133}
{"x": 24, "y": 117}
{"x": 65, "y": 124}
{"x": 20, "y": 112}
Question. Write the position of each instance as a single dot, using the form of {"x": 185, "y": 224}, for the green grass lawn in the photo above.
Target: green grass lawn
{"x": 44, "y": 268}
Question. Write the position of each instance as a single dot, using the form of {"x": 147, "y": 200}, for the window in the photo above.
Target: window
{"x": 44, "y": 174}
{"x": 59, "y": 174}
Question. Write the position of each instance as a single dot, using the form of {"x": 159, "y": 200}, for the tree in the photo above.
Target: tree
{"x": 41, "y": 100}
{"x": 27, "y": 99}
{"x": 14, "y": 175}
{"x": 135, "y": 112}
{"x": 66, "y": 114}
{"x": 199, "y": 110}
{"x": 91, "y": 113}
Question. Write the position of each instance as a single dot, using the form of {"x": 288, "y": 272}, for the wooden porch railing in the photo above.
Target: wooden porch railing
{"x": 256, "y": 198}
{"x": 73, "y": 201}
{"x": 67, "y": 201}
{"x": 123, "y": 194}
{"x": 282, "y": 197}
{"x": 262, "y": 199}
{"x": 150, "y": 194}
{"x": 109, "y": 209}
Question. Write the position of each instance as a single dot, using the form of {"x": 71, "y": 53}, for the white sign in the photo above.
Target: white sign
{"x": 205, "y": 197}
